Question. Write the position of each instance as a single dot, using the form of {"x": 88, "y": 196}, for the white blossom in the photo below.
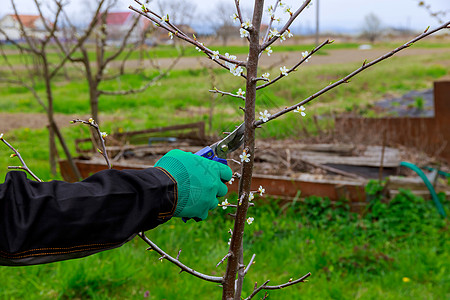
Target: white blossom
{"x": 264, "y": 116}
{"x": 231, "y": 181}
{"x": 268, "y": 50}
{"x": 1, "y": 135}
{"x": 273, "y": 32}
{"x": 247, "y": 24}
{"x": 244, "y": 33}
{"x": 229, "y": 241}
{"x": 261, "y": 190}
{"x": 265, "y": 75}
{"x": 234, "y": 17}
{"x": 198, "y": 49}
{"x": 300, "y": 110}
{"x": 305, "y": 54}
{"x": 236, "y": 70}
{"x": 240, "y": 92}
{"x": 251, "y": 196}
{"x": 103, "y": 134}
{"x": 170, "y": 35}
{"x": 245, "y": 157}
{"x": 230, "y": 56}
{"x": 215, "y": 54}
{"x": 284, "y": 71}
{"x": 91, "y": 121}
{"x": 250, "y": 220}
{"x": 225, "y": 204}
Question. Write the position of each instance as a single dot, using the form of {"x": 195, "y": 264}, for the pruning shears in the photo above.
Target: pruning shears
{"x": 219, "y": 150}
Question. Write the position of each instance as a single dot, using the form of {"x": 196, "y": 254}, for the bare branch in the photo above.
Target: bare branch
{"x": 257, "y": 290}
{"x": 147, "y": 85}
{"x": 178, "y": 263}
{"x": 250, "y": 263}
{"x": 355, "y": 72}
{"x": 24, "y": 165}
{"x": 227, "y": 93}
{"x": 184, "y": 36}
{"x": 25, "y": 35}
{"x": 286, "y": 26}
{"x": 291, "y": 282}
{"x": 80, "y": 40}
{"x": 103, "y": 151}
{"x": 294, "y": 68}
{"x": 224, "y": 258}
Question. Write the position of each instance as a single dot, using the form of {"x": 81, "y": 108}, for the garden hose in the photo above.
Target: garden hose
{"x": 442, "y": 173}
{"x": 428, "y": 184}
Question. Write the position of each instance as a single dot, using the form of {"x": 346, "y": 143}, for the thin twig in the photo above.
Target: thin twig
{"x": 291, "y": 282}
{"x": 102, "y": 151}
{"x": 226, "y": 93}
{"x": 294, "y": 68}
{"x": 250, "y": 262}
{"x": 24, "y": 165}
{"x": 178, "y": 263}
{"x": 264, "y": 286}
{"x": 185, "y": 37}
{"x": 271, "y": 21}
{"x": 364, "y": 66}
{"x": 224, "y": 258}
{"x": 285, "y": 27}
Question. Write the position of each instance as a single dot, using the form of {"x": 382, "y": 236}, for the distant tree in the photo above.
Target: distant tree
{"x": 224, "y": 26}
{"x": 372, "y": 27}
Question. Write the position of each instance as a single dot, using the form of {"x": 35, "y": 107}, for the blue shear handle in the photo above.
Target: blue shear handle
{"x": 208, "y": 153}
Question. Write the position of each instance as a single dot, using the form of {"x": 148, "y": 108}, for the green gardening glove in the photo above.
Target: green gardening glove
{"x": 199, "y": 180}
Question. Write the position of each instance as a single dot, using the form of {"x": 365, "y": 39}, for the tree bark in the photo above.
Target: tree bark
{"x": 247, "y": 167}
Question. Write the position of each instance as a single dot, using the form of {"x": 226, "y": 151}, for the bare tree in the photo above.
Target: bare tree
{"x": 38, "y": 48}
{"x": 372, "y": 28}
{"x": 438, "y": 15}
{"x": 225, "y": 27}
{"x": 232, "y": 280}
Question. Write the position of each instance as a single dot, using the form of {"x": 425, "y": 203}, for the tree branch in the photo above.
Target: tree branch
{"x": 294, "y": 67}
{"x": 286, "y": 26}
{"x": 150, "y": 83}
{"x": 364, "y": 66}
{"x": 24, "y": 165}
{"x": 183, "y": 36}
{"x": 103, "y": 151}
{"x": 226, "y": 93}
{"x": 178, "y": 263}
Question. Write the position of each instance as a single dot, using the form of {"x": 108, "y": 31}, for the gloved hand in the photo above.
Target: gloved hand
{"x": 200, "y": 181}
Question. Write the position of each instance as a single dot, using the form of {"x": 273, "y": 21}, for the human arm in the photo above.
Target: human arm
{"x": 52, "y": 221}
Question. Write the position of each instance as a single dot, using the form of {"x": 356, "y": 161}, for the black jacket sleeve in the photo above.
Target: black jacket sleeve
{"x": 43, "y": 222}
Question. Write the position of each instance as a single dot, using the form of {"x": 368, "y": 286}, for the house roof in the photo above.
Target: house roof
{"x": 28, "y": 21}
{"x": 117, "y": 18}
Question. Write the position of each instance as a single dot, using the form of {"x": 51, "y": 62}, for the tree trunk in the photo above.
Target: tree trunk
{"x": 53, "y": 128}
{"x": 51, "y": 139}
{"x": 247, "y": 167}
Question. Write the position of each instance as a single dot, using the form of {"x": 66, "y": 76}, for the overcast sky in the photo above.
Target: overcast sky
{"x": 339, "y": 14}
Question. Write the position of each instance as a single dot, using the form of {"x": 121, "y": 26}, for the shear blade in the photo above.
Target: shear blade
{"x": 230, "y": 143}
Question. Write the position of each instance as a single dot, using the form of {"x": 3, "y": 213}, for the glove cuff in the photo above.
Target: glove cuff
{"x": 176, "y": 168}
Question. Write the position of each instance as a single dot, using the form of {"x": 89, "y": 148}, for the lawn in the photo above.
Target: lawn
{"x": 401, "y": 254}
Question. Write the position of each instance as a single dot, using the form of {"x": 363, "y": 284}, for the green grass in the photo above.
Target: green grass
{"x": 168, "y": 51}
{"x": 349, "y": 257}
